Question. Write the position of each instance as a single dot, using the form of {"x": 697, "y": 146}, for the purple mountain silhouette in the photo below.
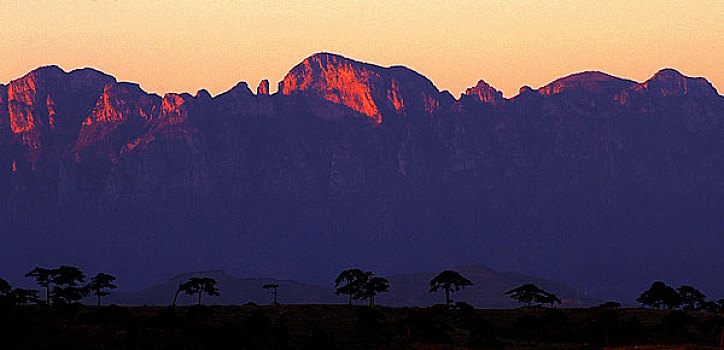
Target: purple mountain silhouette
{"x": 596, "y": 181}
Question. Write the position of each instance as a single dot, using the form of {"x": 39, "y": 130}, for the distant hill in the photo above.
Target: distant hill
{"x": 233, "y": 291}
{"x": 405, "y": 290}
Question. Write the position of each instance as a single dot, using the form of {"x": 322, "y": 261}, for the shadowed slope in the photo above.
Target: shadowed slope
{"x": 600, "y": 182}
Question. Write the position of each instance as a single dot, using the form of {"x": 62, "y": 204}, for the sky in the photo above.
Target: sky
{"x": 184, "y": 46}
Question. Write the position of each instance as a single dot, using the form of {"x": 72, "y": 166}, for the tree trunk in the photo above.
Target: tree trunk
{"x": 47, "y": 294}
{"x": 275, "y": 296}
{"x": 350, "y": 299}
{"x": 199, "y": 298}
{"x": 99, "y": 299}
{"x": 175, "y": 296}
{"x": 447, "y": 297}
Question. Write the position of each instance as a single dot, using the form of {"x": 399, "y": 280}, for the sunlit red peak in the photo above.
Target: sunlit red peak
{"x": 366, "y": 88}
{"x": 263, "y": 88}
{"x": 172, "y": 105}
{"x": 484, "y": 93}
{"x": 336, "y": 79}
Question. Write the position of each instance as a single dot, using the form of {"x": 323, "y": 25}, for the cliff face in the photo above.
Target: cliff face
{"x": 371, "y": 90}
{"x": 359, "y": 164}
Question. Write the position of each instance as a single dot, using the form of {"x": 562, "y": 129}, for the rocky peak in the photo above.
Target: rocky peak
{"x": 263, "y": 88}
{"x": 485, "y": 93}
{"x": 120, "y": 101}
{"x": 203, "y": 94}
{"x": 49, "y": 101}
{"x": 240, "y": 91}
{"x": 371, "y": 90}
{"x": 121, "y": 105}
{"x": 667, "y": 83}
{"x": 175, "y": 107}
{"x": 591, "y": 82}
{"x": 525, "y": 90}
{"x": 670, "y": 82}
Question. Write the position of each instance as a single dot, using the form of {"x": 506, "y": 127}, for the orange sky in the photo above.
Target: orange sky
{"x": 181, "y": 45}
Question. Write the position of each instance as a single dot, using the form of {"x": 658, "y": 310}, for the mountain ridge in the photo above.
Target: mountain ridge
{"x": 357, "y": 164}
{"x": 243, "y": 83}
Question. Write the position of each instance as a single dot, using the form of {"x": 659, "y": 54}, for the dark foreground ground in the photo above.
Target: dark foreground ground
{"x": 351, "y": 327}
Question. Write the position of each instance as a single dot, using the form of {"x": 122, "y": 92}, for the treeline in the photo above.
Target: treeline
{"x": 67, "y": 285}
{"x": 661, "y": 295}
{"x": 62, "y": 285}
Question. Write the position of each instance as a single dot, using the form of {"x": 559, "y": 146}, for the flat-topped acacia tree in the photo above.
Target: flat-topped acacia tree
{"x": 68, "y": 280}
{"x": 274, "y": 287}
{"x": 372, "y": 287}
{"x": 351, "y": 282}
{"x": 198, "y": 286}
{"x": 691, "y": 298}
{"x": 100, "y": 282}
{"x": 44, "y": 277}
{"x": 529, "y": 293}
{"x": 660, "y": 295}
{"x": 360, "y": 285}
{"x": 449, "y": 281}
{"x": 64, "y": 281}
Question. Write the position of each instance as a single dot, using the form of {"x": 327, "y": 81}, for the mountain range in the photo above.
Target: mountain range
{"x": 599, "y": 182}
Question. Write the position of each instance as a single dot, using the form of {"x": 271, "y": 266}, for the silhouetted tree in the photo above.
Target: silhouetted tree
{"x": 529, "y": 293}
{"x": 100, "y": 282}
{"x": 5, "y": 287}
{"x": 274, "y": 288}
{"x": 67, "y": 280}
{"x": 710, "y": 306}
{"x": 449, "y": 280}
{"x": 5, "y": 292}
{"x": 691, "y": 298}
{"x": 44, "y": 277}
{"x": 660, "y": 294}
{"x": 351, "y": 282}
{"x": 372, "y": 287}
{"x": 548, "y": 298}
{"x": 24, "y": 296}
{"x": 610, "y": 305}
{"x": 198, "y": 286}
{"x": 63, "y": 280}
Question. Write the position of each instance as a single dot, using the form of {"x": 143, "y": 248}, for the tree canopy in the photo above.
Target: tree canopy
{"x": 198, "y": 286}
{"x": 449, "y": 281}
{"x": 99, "y": 283}
{"x": 351, "y": 282}
{"x": 64, "y": 281}
{"x": 530, "y": 293}
{"x": 660, "y": 295}
{"x": 372, "y": 287}
{"x": 691, "y": 298}
{"x": 360, "y": 285}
